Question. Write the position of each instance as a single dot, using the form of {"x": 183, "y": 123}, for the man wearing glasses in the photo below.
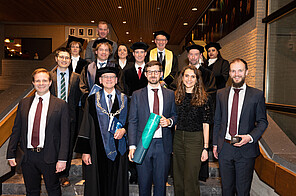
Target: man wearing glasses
{"x": 65, "y": 85}
{"x": 167, "y": 58}
{"x": 152, "y": 99}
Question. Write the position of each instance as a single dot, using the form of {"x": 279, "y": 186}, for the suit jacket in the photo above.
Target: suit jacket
{"x": 252, "y": 121}
{"x": 80, "y": 64}
{"x": 90, "y": 55}
{"x": 220, "y": 70}
{"x": 130, "y": 79}
{"x": 74, "y": 92}
{"x": 57, "y": 130}
{"x": 140, "y": 112}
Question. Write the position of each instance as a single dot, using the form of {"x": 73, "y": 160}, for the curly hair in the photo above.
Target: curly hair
{"x": 199, "y": 95}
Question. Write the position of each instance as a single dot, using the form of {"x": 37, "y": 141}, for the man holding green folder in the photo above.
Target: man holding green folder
{"x": 161, "y": 101}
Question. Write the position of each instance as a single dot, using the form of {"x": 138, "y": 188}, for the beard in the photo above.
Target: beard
{"x": 239, "y": 84}
{"x": 153, "y": 80}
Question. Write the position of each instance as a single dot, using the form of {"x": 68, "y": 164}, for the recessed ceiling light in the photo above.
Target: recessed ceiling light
{"x": 153, "y": 33}
{"x": 130, "y": 40}
{"x": 119, "y": 6}
{"x": 127, "y": 32}
{"x": 124, "y": 22}
{"x": 194, "y": 9}
{"x": 92, "y": 21}
{"x": 152, "y": 41}
{"x": 18, "y": 45}
{"x": 185, "y": 23}
{"x": 7, "y": 41}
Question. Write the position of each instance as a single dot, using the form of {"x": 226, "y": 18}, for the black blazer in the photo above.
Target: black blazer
{"x": 252, "y": 121}
{"x": 130, "y": 79}
{"x": 57, "y": 131}
{"x": 74, "y": 92}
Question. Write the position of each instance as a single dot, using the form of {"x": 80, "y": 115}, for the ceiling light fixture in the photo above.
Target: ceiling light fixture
{"x": 130, "y": 40}
{"x": 92, "y": 21}
{"x": 124, "y": 22}
{"x": 127, "y": 32}
{"x": 119, "y": 6}
{"x": 7, "y": 41}
{"x": 185, "y": 23}
{"x": 194, "y": 9}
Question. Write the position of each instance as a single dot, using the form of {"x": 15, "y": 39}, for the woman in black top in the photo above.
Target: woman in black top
{"x": 191, "y": 138}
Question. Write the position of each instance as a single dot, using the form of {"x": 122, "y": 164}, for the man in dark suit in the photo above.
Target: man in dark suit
{"x": 166, "y": 57}
{"x": 77, "y": 63}
{"x": 65, "y": 85}
{"x": 133, "y": 77}
{"x": 102, "y": 31}
{"x": 240, "y": 120}
{"x": 159, "y": 100}
{"x": 41, "y": 127}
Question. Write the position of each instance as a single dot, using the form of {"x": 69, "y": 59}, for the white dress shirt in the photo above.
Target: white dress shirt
{"x": 107, "y": 99}
{"x": 158, "y": 132}
{"x": 32, "y": 111}
{"x": 122, "y": 64}
{"x": 74, "y": 62}
{"x": 163, "y": 53}
{"x": 137, "y": 67}
{"x": 211, "y": 61}
{"x": 99, "y": 66}
{"x": 241, "y": 98}
{"x": 59, "y": 79}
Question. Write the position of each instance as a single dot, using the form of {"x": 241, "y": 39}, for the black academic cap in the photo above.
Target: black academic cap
{"x": 198, "y": 47}
{"x": 161, "y": 33}
{"x": 104, "y": 40}
{"x": 72, "y": 38}
{"x": 212, "y": 44}
{"x": 139, "y": 45}
{"x": 107, "y": 70}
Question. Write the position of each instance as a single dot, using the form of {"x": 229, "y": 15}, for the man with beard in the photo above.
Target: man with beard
{"x": 194, "y": 54}
{"x": 152, "y": 99}
{"x": 240, "y": 120}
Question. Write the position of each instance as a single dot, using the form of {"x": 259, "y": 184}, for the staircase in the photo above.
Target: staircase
{"x": 15, "y": 185}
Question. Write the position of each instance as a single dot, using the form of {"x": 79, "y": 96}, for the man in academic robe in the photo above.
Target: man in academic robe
{"x": 75, "y": 45}
{"x": 240, "y": 120}
{"x": 89, "y": 75}
{"x": 167, "y": 58}
{"x": 42, "y": 128}
{"x": 133, "y": 77}
{"x": 104, "y": 148}
{"x": 65, "y": 85}
{"x": 159, "y": 100}
{"x": 102, "y": 31}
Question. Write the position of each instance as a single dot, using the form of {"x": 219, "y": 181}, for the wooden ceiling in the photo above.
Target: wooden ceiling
{"x": 142, "y": 17}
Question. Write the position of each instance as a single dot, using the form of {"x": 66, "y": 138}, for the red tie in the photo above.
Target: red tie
{"x": 156, "y": 102}
{"x": 233, "y": 117}
{"x": 139, "y": 72}
{"x": 36, "y": 125}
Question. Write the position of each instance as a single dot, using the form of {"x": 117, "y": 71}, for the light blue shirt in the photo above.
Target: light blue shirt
{"x": 59, "y": 79}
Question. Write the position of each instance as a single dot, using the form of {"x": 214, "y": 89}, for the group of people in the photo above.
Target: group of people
{"x": 99, "y": 107}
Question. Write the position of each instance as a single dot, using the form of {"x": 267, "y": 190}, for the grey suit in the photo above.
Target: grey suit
{"x": 90, "y": 55}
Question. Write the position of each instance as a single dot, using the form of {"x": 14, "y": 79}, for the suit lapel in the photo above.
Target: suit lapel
{"x": 144, "y": 99}
{"x": 27, "y": 110}
{"x": 226, "y": 97}
{"x": 50, "y": 109}
{"x": 54, "y": 82}
{"x": 164, "y": 94}
{"x": 247, "y": 94}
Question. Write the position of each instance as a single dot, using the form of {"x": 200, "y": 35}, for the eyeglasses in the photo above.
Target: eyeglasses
{"x": 156, "y": 72}
{"x": 161, "y": 40}
{"x": 109, "y": 77}
{"x": 64, "y": 57}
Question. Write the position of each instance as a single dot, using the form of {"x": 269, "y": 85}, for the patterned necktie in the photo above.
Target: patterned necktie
{"x": 63, "y": 86}
{"x": 233, "y": 117}
{"x": 110, "y": 102}
{"x": 36, "y": 124}
{"x": 160, "y": 57}
{"x": 139, "y": 72}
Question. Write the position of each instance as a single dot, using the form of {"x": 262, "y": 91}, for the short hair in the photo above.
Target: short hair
{"x": 40, "y": 70}
{"x": 240, "y": 60}
{"x": 152, "y": 63}
{"x": 62, "y": 49}
{"x": 76, "y": 42}
{"x": 103, "y": 22}
{"x": 104, "y": 43}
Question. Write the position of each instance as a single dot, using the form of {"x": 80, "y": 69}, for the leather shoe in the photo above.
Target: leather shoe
{"x": 65, "y": 182}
